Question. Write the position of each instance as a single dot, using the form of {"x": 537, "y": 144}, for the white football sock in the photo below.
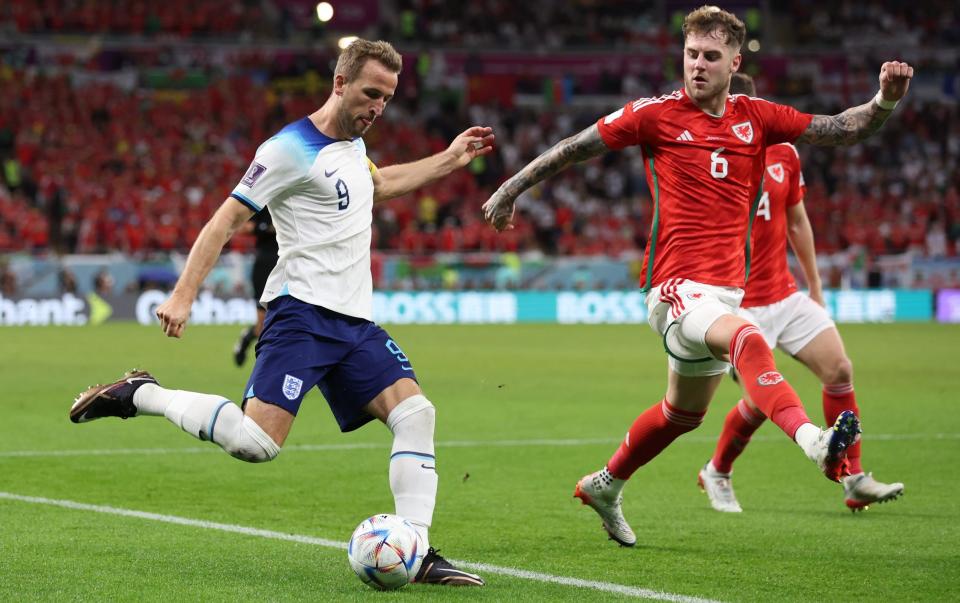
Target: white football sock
{"x": 152, "y": 400}
{"x": 604, "y": 481}
{"x": 413, "y": 473}
{"x": 807, "y": 436}
{"x": 208, "y": 418}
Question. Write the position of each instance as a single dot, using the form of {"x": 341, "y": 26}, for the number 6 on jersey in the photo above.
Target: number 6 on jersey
{"x": 718, "y": 164}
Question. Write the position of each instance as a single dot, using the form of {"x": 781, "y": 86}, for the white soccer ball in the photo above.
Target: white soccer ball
{"x": 385, "y": 551}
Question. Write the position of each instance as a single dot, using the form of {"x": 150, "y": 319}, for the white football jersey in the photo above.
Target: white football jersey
{"x": 319, "y": 192}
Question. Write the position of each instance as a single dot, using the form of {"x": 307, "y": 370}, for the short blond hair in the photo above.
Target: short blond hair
{"x": 708, "y": 19}
{"x": 355, "y": 56}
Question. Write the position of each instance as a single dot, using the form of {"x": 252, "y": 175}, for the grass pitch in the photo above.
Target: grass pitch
{"x": 523, "y": 412}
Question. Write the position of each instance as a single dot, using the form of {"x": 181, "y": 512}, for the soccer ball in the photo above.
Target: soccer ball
{"x": 385, "y": 551}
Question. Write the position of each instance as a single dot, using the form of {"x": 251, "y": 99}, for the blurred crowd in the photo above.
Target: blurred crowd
{"x": 893, "y": 22}
{"x": 575, "y": 23}
{"x": 94, "y": 161}
{"x": 181, "y": 18}
{"x": 502, "y": 24}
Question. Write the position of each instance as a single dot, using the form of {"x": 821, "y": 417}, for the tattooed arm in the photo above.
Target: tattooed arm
{"x": 858, "y": 123}
{"x": 498, "y": 210}
{"x": 850, "y": 127}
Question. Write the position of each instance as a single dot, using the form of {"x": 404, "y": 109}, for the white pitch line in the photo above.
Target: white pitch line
{"x": 698, "y": 439}
{"x": 609, "y": 587}
{"x": 631, "y": 591}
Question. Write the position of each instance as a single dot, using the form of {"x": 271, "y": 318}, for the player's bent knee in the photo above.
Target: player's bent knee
{"x": 417, "y": 407}
{"x": 839, "y": 373}
{"x": 251, "y": 443}
{"x": 845, "y": 371}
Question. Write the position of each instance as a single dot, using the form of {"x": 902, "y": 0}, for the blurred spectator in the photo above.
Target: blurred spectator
{"x": 103, "y": 283}
{"x": 68, "y": 281}
{"x": 8, "y": 281}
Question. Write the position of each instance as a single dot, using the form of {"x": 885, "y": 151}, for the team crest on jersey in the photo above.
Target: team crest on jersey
{"x": 744, "y": 131}
{"x": 291, "y": 387}
{"x": 770, "y": 378}
{"x": 253, "y": 174}
{"x": 776, "y": 171}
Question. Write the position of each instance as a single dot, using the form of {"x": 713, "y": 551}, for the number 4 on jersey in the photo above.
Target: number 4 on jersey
{"x": 763, "y": 208}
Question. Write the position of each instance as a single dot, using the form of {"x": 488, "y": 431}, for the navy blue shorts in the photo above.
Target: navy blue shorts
{"x": 350, "y": 359}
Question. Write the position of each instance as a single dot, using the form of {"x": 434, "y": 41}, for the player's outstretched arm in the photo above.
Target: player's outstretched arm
{"x": 800, "y": 235}
{"x": 398, "y": 180}
{"x": 498, "y": 210}
{"x": 174, "y": 312}
{"x": 858, "y": 123}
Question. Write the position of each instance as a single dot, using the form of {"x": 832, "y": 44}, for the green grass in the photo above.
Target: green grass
{"x": 795, "y": 541}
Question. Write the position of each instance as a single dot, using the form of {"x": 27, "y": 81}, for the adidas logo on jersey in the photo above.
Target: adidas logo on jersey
{"x": 686, "y": 136}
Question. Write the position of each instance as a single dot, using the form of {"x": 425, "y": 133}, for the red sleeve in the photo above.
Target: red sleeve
{"x": 782, "y": 123}
{"x": 633, "y": 124}
{"x": 798, "y": 188}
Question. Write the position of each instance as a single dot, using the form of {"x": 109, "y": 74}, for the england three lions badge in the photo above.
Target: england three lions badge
{"x": 291, "y": 387}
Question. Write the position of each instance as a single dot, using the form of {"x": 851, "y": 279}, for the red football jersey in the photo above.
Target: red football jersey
{"x": 704, "y": 173}
{"x": 770, "y": 279}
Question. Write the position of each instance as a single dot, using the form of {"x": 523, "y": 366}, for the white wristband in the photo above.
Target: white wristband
{"x": 885, "y": 104}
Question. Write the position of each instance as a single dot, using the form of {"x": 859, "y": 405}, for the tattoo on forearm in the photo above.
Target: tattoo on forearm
{"x": 850, "y": 127}
{"x": 579, "y": 147}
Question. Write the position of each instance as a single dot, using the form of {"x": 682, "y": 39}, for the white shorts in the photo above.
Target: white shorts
{"x": 681, "y": 311}
{"x": 791, "y": 323}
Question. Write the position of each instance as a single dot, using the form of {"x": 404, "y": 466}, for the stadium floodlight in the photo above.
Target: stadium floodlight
{"x": 324, "y": 11}
{"x": 753, "y": 45}
{"x": 345, "y": 41}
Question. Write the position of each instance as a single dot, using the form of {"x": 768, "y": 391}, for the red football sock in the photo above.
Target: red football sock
{"x": 739, "y": 426}
{"x": 649, "y": 435}
{"x": 836, "y": 399}
{"x": 768, "y": 390}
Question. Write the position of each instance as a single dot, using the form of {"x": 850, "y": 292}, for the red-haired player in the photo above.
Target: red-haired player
{"x": 796, "y": 323}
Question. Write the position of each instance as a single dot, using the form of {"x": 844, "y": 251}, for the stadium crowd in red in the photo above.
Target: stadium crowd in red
{"x": 91, "y": 165}
{"x": 100, "y": 169}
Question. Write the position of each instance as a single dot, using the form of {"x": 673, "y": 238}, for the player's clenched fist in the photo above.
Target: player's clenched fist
{"x": 173, "y": 315}
{"x": 894, "y": 80}
{"x": 499, "y": 209}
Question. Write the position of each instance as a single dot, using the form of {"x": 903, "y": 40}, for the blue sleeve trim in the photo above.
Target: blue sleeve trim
{"x": 245, "y": 201}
